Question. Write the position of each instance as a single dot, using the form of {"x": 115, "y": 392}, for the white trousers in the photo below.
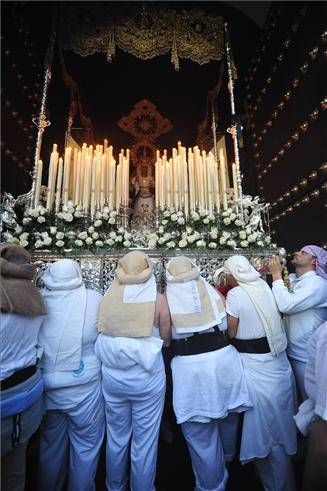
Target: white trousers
{"x": 133, "y": 424}
{"x": 70, "y": 441}
{"x": 207, "y": 455}
{"x": 276, "y": 470}
{"x": 299, "y": 371}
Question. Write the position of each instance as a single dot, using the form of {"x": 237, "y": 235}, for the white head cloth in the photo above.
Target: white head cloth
{"x": 194, "y": 304}
{"x": 62, "y": 330}
{"x": 263, "y": 299}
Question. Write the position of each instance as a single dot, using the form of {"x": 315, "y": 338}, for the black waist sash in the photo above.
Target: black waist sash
{"x": 199, "y": 343}
{"x": 17, "y": 377}
{"x": 258, "y": 346}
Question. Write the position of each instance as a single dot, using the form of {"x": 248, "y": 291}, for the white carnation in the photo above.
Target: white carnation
{"x": 78, "y": 243}
{"x": 128, "y": 235}
{"x": 251, "y": 239}
{"x": 78, "y": 214}
{"x": 203, "y": 213}
{"x": 231, "y": 243}
{"x": 242, "y": 235}
{"x": 41, "y": 219}
{"x": 238, "y": 222}
{"x": 112, "y": 220}
{"x": 38, "y": 244}
{"x": 60, "y": 235}
{"x": 47, "y": 241}
{"x": 152, "y": 244}
{"x": 60, "y": 243}
{"x": 121, "y": 230}
{"x": 60, "y": 215}
{"x": 105, "y": 216}
{"x": 98, "y": 215}
{"x": 23, "y": 243}
{"x": 118, "y": 238}
{"x": 260, "y": 243}
{"x": 24, "y": 236}
{"x": 182, "y": 243}
{"x": 190, "y": 239}
{"x": 68, "y": 217}
{"x": 171, "y": 244}
{"x": 95, "y": 235}
{"x": 82, "y": 235}
{"x": 110, "y": 242}
{"x": 53, "y": 230}
{"x": 164, "y": 222}
{"x": 90, "y": 230}
{"x": 201, "y": 243}
{"x": 232, "y": 216}
{"x": 212, "y": 245}
{"x": 206, "y": 221}
{"x": 244, "y": 243}
{"x": 166, "y": 213}
{"x": 181, "y": 221}
{"x": 127, "y": 243}
{"x": 195, "y": 216}
{"x": 161, "y": 240}
{"x": 222, "y": 240}
{"x": 99, "y": 243}
{"x": 226, "y": 221}
{"x": 89, "y": 240}
{"x": 98, "y": 223}
{"x": 112, "y": 235}
{"x": 189, "y": 229}
{"x": 26, "y": 221}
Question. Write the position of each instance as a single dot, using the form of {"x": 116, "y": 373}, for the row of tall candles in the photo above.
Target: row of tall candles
{"x": 195, "y": 182}
{"x": 89, "y": 178}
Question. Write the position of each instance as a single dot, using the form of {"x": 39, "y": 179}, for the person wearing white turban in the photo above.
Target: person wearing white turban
{"x": 72, "y": 430}
{"x": 208, "y": 379}
{"x": 134, "y": 323}
{"x": 255, "y": 326}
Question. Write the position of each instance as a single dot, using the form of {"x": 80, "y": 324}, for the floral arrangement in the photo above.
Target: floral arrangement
{"x": 71, "y": 230}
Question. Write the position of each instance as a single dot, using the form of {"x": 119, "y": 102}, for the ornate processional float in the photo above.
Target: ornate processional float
{"x": 87, "y": 211}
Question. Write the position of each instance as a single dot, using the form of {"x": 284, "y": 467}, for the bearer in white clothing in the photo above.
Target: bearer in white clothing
{"x": 305, "y": 308}
{"x": 133, "y": 317}
{"x": 208, "y": 379}
{"x": 255, "y": 326}
{"x": 73, "y": 426}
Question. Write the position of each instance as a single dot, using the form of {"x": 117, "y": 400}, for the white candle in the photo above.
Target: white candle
{"x": 235, "y": 185}
{"x": 93, "y": 185}
{"x": 186, "y": 189}
{"x": 191, "y": 180}
{"x": 223, "y": 179}
{"x": 112, "y": 173}
{"x": 156, "y": 192}
{"x": 103, "y": 181}
{"x": 87, "y": 183}
{"x": 59, "y": 183}
{"x": 68, "y": 153}
{"x": 78, "y": 179}
{"x": 168, "y": 183}
{"x": 38, "y": 183}
{"x": 176, "y": 182}
{"x": 216, "y": 186}
{"x": 118, "y": 186}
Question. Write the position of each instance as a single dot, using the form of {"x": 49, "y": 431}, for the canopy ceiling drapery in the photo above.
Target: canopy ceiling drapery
{"x": 145, "y": 32}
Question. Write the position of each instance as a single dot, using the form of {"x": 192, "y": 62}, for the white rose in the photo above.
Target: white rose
{"x": 231, "y": 243}
{"x": 79, "y": 208}
{"x": 211, "y": 218}
{"x": 244, "y": 243}
{"x": 190, "y": 239}
{"x": 41, "y": 219}
{"x": 182, "y": 243}
{"x": 201, "y": 243}
{"x": 167, "y": 235}
{"x": 26, "y": 221}
{"x": 90, "y": 230}
{"x": 113, "y": 213}
{"x": 34, "y": 213}
{"x": 195, "y": 216}
{"x": 23, "y": 243}
{"x": 47, "y": 241}
{"x": 95, "y": 235}
{"x": 206, "y": 221}
{"x": 229, "y": 211}
{"x": 60, "y": 215}
{"x": 152, "y": 244}
{"x": 18, "y": 229}
{"x": 105, "y": 216}
{"x": 166, "y": 213}
{"x": 99, "y": 243}
{"x": 78, "y": 242}
{"x": 82, "y": 235}
{"x": 78, "y": 214}
{"x": 151, "y": 236}
{"x": 38, "y": 244}
{"x": 203, "y": 213}
{"x": 238, "y": 223}
{"x": 180, "y": 213}
{"x": 126, "y": 243}
{"x": 128, "y": 235}
{"x": 222, "y": 240}
{"x": 98, "y": 215}
{"x": 226, "y": 221}
{"x": 89, "y": 240}
{"x": 174, "y": 217}
{"x": 260, "y": 243}
{"x": 242, "y": 235}
{"x": 226, "y": 234}
{"x": 121, "y": 230}
{"x": 60, "y": 243}
{"x": 161, "y": 240}
{"x": 112, "y": 221}
{"x": 171, "y": 244}
{"x": 44, "y": 235}
{"x": 181, "y": 221}
{"x": 197, "y": 234}
{"x": 268, "y": 239}
{"x": 164, "y": 222}
{"x": 110, "y": 242}
{"x": 64, "y": 208}
{"x": 60, "y": 235}
{"x": 232, "y": 216}
{"x": 251, "y": 239}
{"x": 53, "y": 230}
{"x": 213, "y": 235}
{"x": 118, "y": 238}
{"x": 112, "y": 235}
{"x": 98, "y": 223}
{"x": 24, "y": 236}
{"x": 212, "y": 245}
{"x": 189, "y": 230}
{"x": 248, "y": 230}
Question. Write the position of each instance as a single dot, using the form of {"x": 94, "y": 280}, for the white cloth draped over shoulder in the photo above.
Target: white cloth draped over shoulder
{"x": 67, "y": 336}
{"x": 262, "y": 298}
{"x": 206, "y": 386}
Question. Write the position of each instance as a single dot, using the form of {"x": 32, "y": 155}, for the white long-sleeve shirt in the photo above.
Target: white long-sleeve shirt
{"x": 316, "y": 371}
{"x": 305, "y": 308}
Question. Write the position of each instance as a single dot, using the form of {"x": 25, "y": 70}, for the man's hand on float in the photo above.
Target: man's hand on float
{"x": 276, "y": 268}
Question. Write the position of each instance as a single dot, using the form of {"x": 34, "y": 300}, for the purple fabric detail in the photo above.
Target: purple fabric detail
{"x": 321, "y": 255}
